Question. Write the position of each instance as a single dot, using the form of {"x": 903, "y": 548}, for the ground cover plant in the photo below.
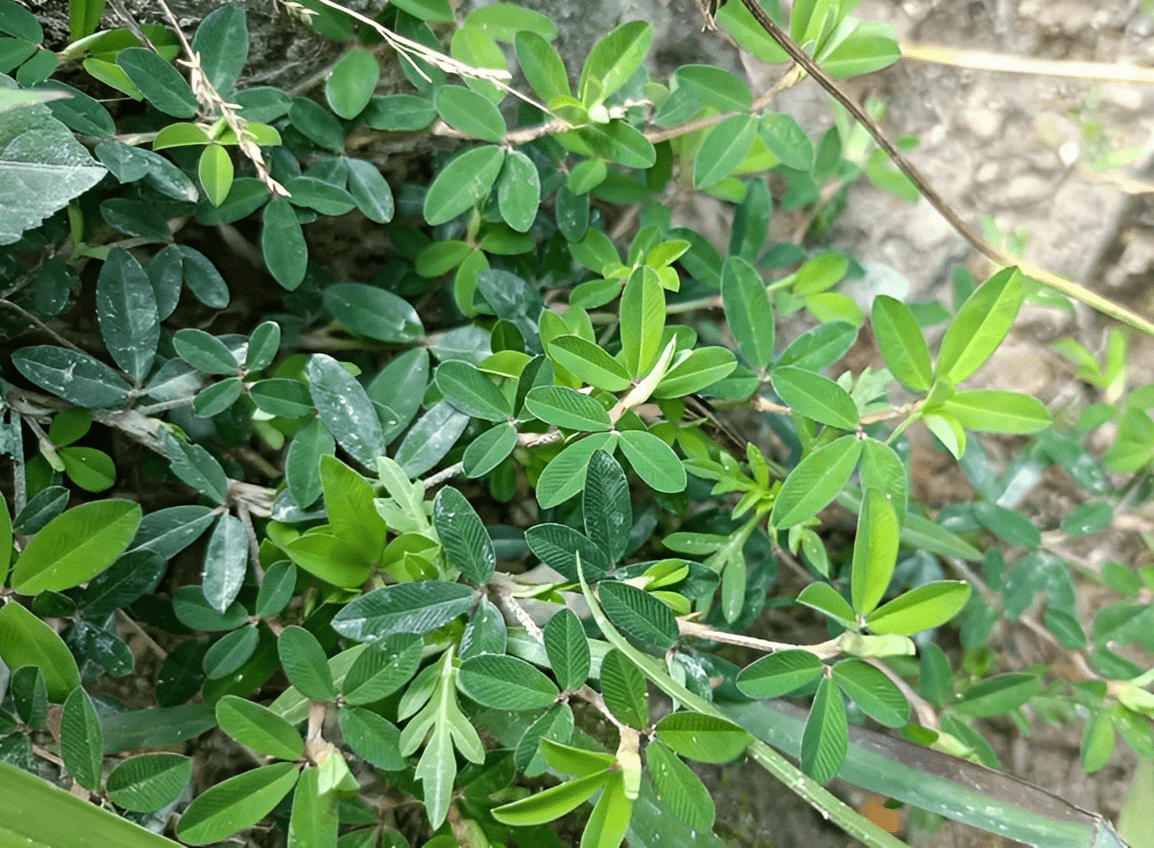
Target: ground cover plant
{"x": 465, "y": 542}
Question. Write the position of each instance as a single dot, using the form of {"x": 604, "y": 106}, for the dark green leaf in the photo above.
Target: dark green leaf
{"x": 466, "y": 542}
{"x": 370, "y": 191}
{"x": 997, "y": 695}
{"x": 471, "y": 392}
{"x": 870, "y": 689}
{"x": 381, "y": 668}
{"x": 373, "y": 312}
{"x": 723, "y": 149}
{"x": 747, "y": 311}
{"x": 400, "y": 113}
{"x": 127, "y": 313}
{"x": 345, "y": 408}
{"x": 518, "y": 191}
{"x": 317, "y": 124}
{"x": 613, "y": 60}
{"x": 489, "y": 449}
{"x": 372, "y": 738}
{"x": 779, "y": 674}
{"x": 418, "y": 607}
{"x": 431, "y": 438}
{"x": 505, "y": 683}
{"x": 558, "y": 546}
{"x": 606, "y": 506}
{"x": 787, "y": 140}
{"x": 235, "y": 804}
{"x": 225, "y": 563}
{"x": 76, "y": 377}
{"x": 159, "y": 82}
{"x": 715, "y": 87}
{"x": 216, "y": 398}
{"x": 542, "y": 67}
{"x": 302, "y": 465}
{"x": 276, "y": 590}
{"x": 653, "y": 460}
{"x": 305, "y": 663}
{"x": 204, "y": 351}
{"x": 282, "y": 242}
{"x": 568, "y": 649}
{"x": 679, "y": 788}
{"x": 463, "y": 181}
{"x": 639, "y": 615}
{"x": 155, "y": 727}
{"x": 564, "y": 476}
{"x": 134, "y": 574}
{"x": 148, "y": 782}
{"x": 320, "y": 196}
{"x": 470, "y": 112}
{"x": 816, "y": 397}
{"x": 623, "y": 688}
{"x": 825, "y": 741}
{"x": 221, "y": 41}
{"x": 350, "y": 84}
{"x": 230, "y": 652}
{"x": 566, "y": 408}
{"x": 1008, "y": 524}
{"x": 259, "y": 728}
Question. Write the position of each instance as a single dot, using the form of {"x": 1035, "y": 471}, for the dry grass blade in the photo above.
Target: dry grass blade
{"x": 981, "y": 60}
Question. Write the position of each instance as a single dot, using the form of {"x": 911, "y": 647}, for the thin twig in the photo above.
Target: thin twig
{"x": 40, "y": 325}
{"x": 993, "y": 252}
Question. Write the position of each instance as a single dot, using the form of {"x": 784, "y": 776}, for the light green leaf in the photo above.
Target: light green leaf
{"x": 613, "y": 60}
{"x": 815, "y": 482}
{"x": 314, "y": 820}
{"x": 653, "y": 460}
{"x": 881, "y": 468}
{"x": 780, "y": 673}
{"x": 215, "y": 171}
{"x": 503, "y": 21}
{"x": 642, "y": 320}
{"x": 997, "y": 695}
{"x": 993, "y": 411}
{"x": 715, "y": 87}
{"x": 787, "y": 140}
{"x": 489, "y": 449}
{"x": 823, "y": 597}
{"x": 870, "y": 689}
{"x": 980, "y": 325}
{"x": 816, "y": 397}
{"x": 26, "y": 640}
{"x": 433, "y": 11}
{"x": 901, "y": 342}
{"x": 518, "y": 191}
{"x": 588, "y": 362}
{"x": 870, "y": 47}
{"x": 463, "y": 181}
{"x": 747, "y": 311}
{"x": 875, "y": 551}
{"x": 542, "y": 67}
{"x": 723, "y": 149}
{"x": 259, "y": 728}
{"x": 350, "y": 84}
{"x": 400, "y": 113}
{"x": 349, "y": 503}
{"x": 75, "y": 546}
{"x": 564, "y": 476}
{"x": 825, "y": 741}
{"x": 551, "y": 803}
{"x": 920, "y": 609}
{"x": 820, "y": 347}
{"x": 235, "y": 804}
{"x": 567, "y": 408}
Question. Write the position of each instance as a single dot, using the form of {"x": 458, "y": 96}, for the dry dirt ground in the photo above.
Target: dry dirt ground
{"x": 1044, "y": 156}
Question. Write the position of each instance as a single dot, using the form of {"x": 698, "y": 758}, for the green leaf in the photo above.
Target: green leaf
{"x": 787, "y": 140}
{"x": 589, "y": 363}
{"x": 276, "y": 590}
{"x": 400, "y": 113}
{"x": 815, "y": 482}
{"x": 26, "y": 640}
{"x": 551, "y": 803}
{"x": 679, "y": 788}
{"x": 235, "y": 804}
{"x": 875, "y": 551}
{"x": 370, "y": 191}
{"x": 466, "y": 541}
{"x": 230, "y": 652}
{"x": 81, "y": 739}
{"x": 489, "y": 450}
{"x": 317, "y": 124}
{"x": 431, "y": 438}
{"x": 1097, "y": 741}
{"x": 642, "y": 320}
{"x": 282, "y": 243}
{"x": 461, "y": 183}
{"x": 349, "y": 503}
{"x": 471, "y": 113}
{"x": 825, "y": 740}
{"x": 703, "y": 738}
{"x": 217, "y": 397}
{"x": 745, "y": 29}
{"x": 920, "y": 609}
{"x": 302, "y": 464}
{"x": 747, "y": 311}
{"x": 780, "y": 673}
{"x": 76, "y": 377}
{"x": 202, "y": 278}
{"x": 823, "y": 597}
{"x": 320, "y": 196}
{"x": 997, "y": 695}
{"x": 503, "y": 21}
{"x": 159, "y": 82}
{"x": 542, "y": 67}
{"x": 374, "y": 313}
{"x": 723, "y": 149}
{"x": 901, "y": 343}
{"x": 259, "y": 728}
{"x": 471, "y": 392}
{"x": 715, "y": 87}
{"x": 623, "y": 688}
{"x": 518, "y": 191}
{"x": 225, "y": 563}
{"x": 305, "y": 663}
{"x": 263, "y": 345}
{"x": 869, "y": 688}
{"x": 418, "y": 607}
{"x": 564, "y": 476}
{"x": 638, "y": 614}
{"x": 820, "y": 347}
{"x": 343, "y": 405}
{"x": 83, "y": 18}
{"x": 1087, "y": 518}
{"x": 221, "y": 41}
{"x": 980, "y": 325}
{"x": 870, "y": 47}
{"x": 1007, "y": 524}
{"x": 148, "y": 782}
{"x": 505, "y": 683}
{"x": 314, "y": 820}
{"x": 350, "y": 84}
{"x": 816, "y": 397}
{"x": 881, "y": 468}
{"x": 559, "y": 545}
{"x": 382, "y": 668}
{"x": 127, "y": 312}
{"x": 205, "y": 352}
{"x": 993, "y": 411}
{"x": 568, "y": 649}
{"x": 566, "y": 408}
{"x": 372, "y": 738}
{"x": 653, "y": 460}
{"x": 613, "y": 60}
{"x": 606, "y": 506}
{"x": 617, "y": 141}
{"x": 76, "y": 546}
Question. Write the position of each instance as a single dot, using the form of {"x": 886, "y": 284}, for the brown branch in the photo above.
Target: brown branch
{"x": 996, "y": 254}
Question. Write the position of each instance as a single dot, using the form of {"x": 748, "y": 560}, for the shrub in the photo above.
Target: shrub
{"x": 434, "y": 531}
